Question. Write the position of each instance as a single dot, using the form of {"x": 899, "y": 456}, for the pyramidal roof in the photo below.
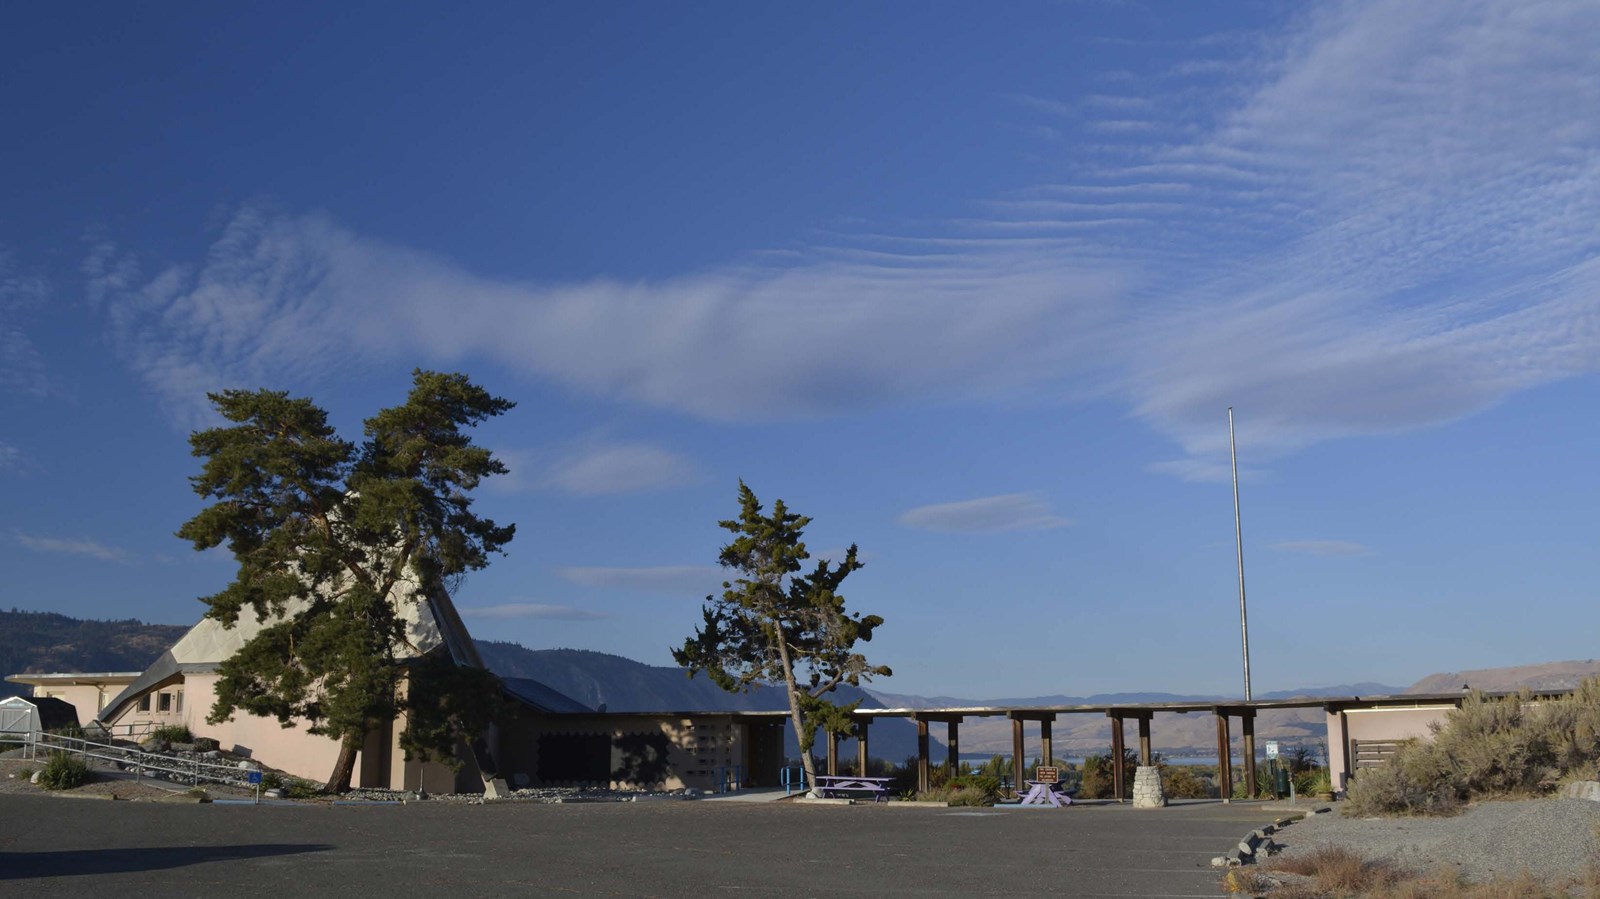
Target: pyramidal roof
{"x": 431, "y": 623}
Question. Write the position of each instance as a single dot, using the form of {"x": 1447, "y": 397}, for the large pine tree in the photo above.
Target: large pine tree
{"x": 331, "y": 536}
{"x": 775, "y": 624}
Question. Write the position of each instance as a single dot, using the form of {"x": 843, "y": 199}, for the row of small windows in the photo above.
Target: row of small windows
{"x": 166, "y": 701}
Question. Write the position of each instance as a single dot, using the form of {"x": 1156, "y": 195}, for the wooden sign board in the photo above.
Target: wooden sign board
{"x": 1048, "y": 774}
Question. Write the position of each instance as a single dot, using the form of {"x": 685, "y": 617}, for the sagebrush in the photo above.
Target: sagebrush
{"x": 1510, "y": 746}
{"x": 63, "y": 771}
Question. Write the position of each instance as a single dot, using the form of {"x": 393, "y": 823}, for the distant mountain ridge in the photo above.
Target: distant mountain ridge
{"x": 50, "y": 642}
{"x": 1547, "y": 676}
{"x": 910, "y": 701}
{"x": 46, "y": 642}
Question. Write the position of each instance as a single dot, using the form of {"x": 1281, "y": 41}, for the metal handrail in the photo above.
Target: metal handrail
{"x": 142, "y": 762}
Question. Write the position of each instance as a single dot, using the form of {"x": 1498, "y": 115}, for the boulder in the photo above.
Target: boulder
{"x": 1583, "y": 789}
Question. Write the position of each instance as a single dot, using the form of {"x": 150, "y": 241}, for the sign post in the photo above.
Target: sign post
{"x": 254, "y": 779}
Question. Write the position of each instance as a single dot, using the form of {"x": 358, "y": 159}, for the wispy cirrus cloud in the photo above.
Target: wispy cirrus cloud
{"x": 620, "y": 468}
{"x": 11, "y": 458}
{"x": 532, "y": 610}
{"x": 1203, "y": 471}
{"x": 1322, "y": 547}
{"x": 287, "y": 299}
{"x": 1007, "y": 512}
{"x": 680, "y": 580}
{"x": 594, "y": 468}
{"x": 1379, "y": 220}
{"x": 74, "y": 547}
{"x": 22, "y": 369}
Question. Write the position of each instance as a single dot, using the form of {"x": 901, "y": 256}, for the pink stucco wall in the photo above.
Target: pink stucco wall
{"x": 1379, "y": 724}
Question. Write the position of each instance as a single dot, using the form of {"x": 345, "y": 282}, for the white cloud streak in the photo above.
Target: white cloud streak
{"x": 11, "y": 458}
{"x": 532, "y": 610}
{"x": 620, "y": 468}
{"x": 88, "y": 548}
{"x": 695, "y": 581}
{"x": 1383, "y": 222}
{"x": 990, "y": 514}
{"x": 594, "y": 468}
{"x": 1322, "y": 547}
{"x": 22, "y": 370}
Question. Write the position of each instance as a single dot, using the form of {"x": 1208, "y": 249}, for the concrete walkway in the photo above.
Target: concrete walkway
{"x": 755, "y": 794}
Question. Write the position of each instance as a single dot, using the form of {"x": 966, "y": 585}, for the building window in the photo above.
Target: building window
{"x": 164, "y": 703}
{"x": 144, "y": 703}
{"x": 177, "y": 702}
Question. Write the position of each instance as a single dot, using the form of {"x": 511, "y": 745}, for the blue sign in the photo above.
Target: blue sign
{"x": 254, "y": 777}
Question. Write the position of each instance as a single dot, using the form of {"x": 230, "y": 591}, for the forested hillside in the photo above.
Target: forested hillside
{"x": 47, "y": 642}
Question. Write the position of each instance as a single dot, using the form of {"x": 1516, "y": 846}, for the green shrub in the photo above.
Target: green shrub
{"x": 986, "y": 785}
{"x": 63, "y": 771}
{"x": 1312, "y": 781}
{"x": 1488, "y": 747}
{"x": 1184, "y": 782}
{"x": 295, "y": 788}
{"x": 271, "y": 780}
{"x": 957, "y": 795}
{"x": 172, "y": 733}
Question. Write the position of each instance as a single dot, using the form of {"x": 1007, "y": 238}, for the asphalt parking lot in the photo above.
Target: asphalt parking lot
{"x": 72, "y": 847}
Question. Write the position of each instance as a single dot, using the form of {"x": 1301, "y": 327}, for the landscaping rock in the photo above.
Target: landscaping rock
{"x": 1583, "y": 789}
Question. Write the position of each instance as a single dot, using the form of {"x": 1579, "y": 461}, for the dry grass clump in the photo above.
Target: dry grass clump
{"x": 1338, "y": 873}
{"x": 1488, "y": 747}
{"x": 1336, "y": 870}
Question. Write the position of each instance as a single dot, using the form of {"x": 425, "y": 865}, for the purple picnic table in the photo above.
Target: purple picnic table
{"x": 1042, "y": 792}
{"x": 839, "y": 783}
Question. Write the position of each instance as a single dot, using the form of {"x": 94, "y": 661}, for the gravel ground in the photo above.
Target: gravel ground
{"x": 1554, "y": 839}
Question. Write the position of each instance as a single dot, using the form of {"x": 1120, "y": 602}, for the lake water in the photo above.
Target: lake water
{"x": 976, "y": 760}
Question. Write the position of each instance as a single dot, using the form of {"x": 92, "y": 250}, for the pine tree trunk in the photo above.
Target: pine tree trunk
{"x": 345, "y": 766}
{"x": 794, "y": 710}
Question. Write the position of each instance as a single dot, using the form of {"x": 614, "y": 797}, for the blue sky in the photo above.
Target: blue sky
{"x": 971, "y": 286}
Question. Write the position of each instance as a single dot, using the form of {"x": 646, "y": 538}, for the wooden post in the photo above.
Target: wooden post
{"x": 1018, "y": 766}
{"x": 862, "y": 755}
{"x": 833, "y": 753}
{"x": 1116, "y": 755}
{"x": 1047, "y": 751}
{"x": 922, "y": 755}
{"x": 1247, "y": 728}
{"x": 952, "y": 741}
{"x": 1144, "y": 739}
{"x": 1224, "y": 758}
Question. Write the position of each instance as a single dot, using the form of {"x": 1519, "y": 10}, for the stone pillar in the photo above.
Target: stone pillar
{"x": 1147, "y": 792}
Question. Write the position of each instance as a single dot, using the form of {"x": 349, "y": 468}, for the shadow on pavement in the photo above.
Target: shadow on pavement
{"x": 21, "y": 865}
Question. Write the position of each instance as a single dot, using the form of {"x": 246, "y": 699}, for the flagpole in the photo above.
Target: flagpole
{"x": 1238, "y": 542}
